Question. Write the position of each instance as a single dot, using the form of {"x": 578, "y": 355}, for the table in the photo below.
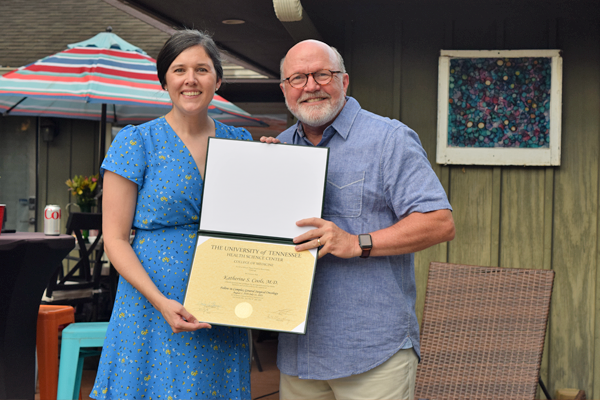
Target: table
{"x": 27, "y": 260}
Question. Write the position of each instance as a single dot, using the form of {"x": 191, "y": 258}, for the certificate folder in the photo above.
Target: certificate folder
{"x": 245, "y": 271}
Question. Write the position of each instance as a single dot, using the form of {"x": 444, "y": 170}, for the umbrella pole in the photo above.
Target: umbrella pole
{"x": 102, "y": 149}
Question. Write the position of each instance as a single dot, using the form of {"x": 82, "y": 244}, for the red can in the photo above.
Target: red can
{"x": 52, "y": 220}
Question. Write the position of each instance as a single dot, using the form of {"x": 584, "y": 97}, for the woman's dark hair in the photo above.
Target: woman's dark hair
{"x": 181, "y": 41}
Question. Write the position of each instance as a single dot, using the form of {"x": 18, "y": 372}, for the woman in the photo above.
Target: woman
{"x": 153, "y": 179}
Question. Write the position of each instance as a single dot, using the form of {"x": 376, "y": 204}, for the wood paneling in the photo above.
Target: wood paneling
{"x": 472, "y": 190}
{"x": 418, "y": 98}
{"x": 373, "y": 61}
{"x": 574, "y": 253}
{"x": 73, "y": 152}
{"x": 508, "y": 216}
{"x": 59, "y": 169}
{"x": 522, "y": 225}
{"x": 17, "y": 169}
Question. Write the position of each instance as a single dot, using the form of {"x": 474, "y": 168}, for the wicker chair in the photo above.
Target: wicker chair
{"x": 483, "y": 332}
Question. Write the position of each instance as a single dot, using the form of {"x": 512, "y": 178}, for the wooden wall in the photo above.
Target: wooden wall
{"x": 17, "y": 170}
{"x": 505, "y": 216}
{"x": 74, "y": 151}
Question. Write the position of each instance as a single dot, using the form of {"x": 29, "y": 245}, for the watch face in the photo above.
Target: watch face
{"x": 364, "y": 241}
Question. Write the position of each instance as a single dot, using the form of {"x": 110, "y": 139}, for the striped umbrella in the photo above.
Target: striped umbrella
{"x": 103, "y": 70}
{"x": 219, "y": 109}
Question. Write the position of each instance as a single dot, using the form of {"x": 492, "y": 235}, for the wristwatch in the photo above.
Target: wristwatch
{"x": 366, "y": 244}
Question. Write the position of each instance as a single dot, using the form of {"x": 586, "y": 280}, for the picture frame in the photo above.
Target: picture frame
{"x": 499, "y": 107}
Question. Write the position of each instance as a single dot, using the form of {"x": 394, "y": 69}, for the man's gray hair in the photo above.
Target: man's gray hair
{"x": 341, "y": 65}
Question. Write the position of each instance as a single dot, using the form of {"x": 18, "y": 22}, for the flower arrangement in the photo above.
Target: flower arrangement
{"x": 84, "y": 188}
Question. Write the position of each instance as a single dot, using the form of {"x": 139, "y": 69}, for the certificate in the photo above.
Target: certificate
{"x": 250, "y": 284}
{"x": 245, "y": 270}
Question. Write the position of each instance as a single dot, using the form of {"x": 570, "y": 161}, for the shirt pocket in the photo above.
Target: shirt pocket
{"x": 343, "y": 195}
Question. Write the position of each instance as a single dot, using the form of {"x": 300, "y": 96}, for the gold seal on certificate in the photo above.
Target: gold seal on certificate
{"x": 246, "y": 271}
{"x": 250, "y": 284}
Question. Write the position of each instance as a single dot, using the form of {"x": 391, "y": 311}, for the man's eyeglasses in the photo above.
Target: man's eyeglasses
{"x": 322, "y": 77}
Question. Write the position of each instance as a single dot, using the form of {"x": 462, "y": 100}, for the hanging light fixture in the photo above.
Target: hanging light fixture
{"x": 288, "y": 10}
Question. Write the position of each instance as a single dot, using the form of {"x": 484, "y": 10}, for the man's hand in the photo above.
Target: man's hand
{"x": 269, "y": 139}
{"x": 333, "y": 239}
{"x": 413, "y": 233}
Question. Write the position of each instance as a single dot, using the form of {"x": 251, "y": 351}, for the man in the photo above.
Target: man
{"x": 383, "y": 202}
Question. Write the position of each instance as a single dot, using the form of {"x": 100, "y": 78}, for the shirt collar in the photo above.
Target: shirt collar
{"x": 341, "y": 124}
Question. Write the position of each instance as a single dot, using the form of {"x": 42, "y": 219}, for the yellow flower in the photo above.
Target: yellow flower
{"x": 84, "y": 187}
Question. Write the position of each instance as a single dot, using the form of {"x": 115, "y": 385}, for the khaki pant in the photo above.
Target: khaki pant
{"x": 392, "y": 380}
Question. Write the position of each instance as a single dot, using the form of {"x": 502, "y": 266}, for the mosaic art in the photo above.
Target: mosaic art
{"x": 499, "y": 102}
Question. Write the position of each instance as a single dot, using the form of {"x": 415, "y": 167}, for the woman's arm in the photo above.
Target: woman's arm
{"x": 118, "y": 203}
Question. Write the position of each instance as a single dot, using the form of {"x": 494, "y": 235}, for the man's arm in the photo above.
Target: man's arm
{"x": 416, "y": 232}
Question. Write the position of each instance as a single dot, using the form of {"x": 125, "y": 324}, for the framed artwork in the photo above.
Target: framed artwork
{"x": 499, "y": 107}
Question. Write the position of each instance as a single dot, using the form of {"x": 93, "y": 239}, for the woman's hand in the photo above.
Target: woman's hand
{"x": 179, "y": 318}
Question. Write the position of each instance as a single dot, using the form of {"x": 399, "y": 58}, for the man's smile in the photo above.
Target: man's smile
{"x": 316, "y": 97}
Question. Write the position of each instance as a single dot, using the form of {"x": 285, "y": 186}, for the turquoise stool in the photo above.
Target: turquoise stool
{"x": 75, "y": 339}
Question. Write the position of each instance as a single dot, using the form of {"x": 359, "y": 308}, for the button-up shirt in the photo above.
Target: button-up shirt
{"x": 362, "y": 310}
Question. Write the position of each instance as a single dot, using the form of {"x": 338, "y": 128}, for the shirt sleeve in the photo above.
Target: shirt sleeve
{"x": 126, "y": 156}
{"x": 410, "y": 183}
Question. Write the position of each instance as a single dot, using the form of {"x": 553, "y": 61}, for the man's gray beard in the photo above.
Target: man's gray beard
{"x": 319, "y": 116}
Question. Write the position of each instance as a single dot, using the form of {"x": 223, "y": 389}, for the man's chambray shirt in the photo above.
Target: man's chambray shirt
{"x": 362, "y": 311}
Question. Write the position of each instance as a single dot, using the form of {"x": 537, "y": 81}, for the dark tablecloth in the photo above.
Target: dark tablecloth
{"x": 27, "y": 260}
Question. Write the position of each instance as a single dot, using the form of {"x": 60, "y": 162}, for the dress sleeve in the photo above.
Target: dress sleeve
{"x": 231, "y": 132}
{"x": 245, "y": 135}
{"x": 410, "y": 183}
{"x": 126, "y": 156}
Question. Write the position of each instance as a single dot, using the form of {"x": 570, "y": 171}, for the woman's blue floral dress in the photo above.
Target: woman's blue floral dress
{"x": 142, "y": 358}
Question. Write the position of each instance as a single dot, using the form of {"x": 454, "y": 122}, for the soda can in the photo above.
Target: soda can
{"x": 52, "y": 220}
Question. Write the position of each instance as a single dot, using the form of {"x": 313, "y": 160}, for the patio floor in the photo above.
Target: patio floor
{"x": 263, "y": 383}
